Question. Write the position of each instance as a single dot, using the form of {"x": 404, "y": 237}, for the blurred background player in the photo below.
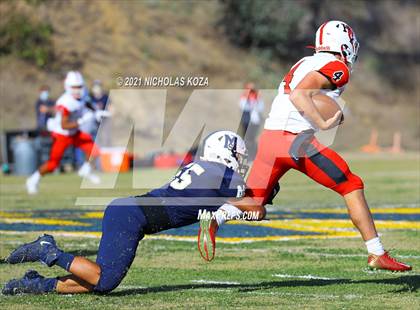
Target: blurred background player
{"x": 252, "y": 107}
{"x": 96, "y": 100}
{"x": 204, "y": 184}
{"x": 44, "y": 108}
{"x": 288, "y": 140}
{"x": 99, "y": 97}
{"x": 65, "y": 130}
{"x": 100, "y": 102}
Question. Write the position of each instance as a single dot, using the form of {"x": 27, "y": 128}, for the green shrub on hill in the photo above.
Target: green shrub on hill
{"x": 25, "y": 39}
{"x": 272, "y": 25}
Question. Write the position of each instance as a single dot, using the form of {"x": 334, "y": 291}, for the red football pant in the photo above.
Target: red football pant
{"x": 81, "y": 140}
{"x": 273, "y": 160}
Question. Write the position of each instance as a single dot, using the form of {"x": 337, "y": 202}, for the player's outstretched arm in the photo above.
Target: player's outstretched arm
{"x": 249, "y": 205}
{"x": 235, "y": 209}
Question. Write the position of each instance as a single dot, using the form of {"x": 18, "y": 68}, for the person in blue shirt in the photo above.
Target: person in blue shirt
{"x": 205, "y": 184}
{"x": 99, "y": 100}
{"x": 98, "y": 96}
{"x": 44, "y": 108}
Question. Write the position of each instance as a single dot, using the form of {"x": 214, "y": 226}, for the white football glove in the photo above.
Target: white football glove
{"x": 52, "y": 124}
{"x": 101, "y": 114}
{"x": 226, "y": 213}
{"x": 86, "y": 117}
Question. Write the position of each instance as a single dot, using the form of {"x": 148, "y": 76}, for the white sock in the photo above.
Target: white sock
{"x": 35, "y": 177}
{"x": 374, "y": 246}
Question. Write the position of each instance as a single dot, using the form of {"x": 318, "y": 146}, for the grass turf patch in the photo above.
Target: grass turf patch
{"x": 290, "y": 274}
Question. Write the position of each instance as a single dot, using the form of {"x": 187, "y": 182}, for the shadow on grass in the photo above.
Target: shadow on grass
{"x": 410, "y": 283}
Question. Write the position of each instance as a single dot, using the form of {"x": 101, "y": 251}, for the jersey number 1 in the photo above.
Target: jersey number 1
{"x": 183, "y": 178}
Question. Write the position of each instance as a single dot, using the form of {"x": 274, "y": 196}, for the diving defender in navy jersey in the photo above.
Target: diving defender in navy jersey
{"x": 205, "y": 184}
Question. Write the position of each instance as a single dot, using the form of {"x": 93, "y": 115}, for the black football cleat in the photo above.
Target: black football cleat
{"x": 43, "y": 249}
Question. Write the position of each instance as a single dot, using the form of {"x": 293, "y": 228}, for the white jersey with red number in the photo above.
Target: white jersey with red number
{"x": 283, "y": 114}
{"x": 66, "y": 105}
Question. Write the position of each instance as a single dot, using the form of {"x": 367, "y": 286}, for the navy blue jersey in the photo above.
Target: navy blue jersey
{"x": 201, "y": 185}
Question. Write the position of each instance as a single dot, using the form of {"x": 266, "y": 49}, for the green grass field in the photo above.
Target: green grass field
{"x": 303, "y": 273}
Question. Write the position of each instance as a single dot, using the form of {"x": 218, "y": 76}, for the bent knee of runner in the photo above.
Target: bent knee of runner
{"x": 352, "y": 183}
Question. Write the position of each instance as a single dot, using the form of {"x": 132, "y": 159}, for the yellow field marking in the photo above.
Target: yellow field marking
{"x": 99, "y": 214}
{"x": 397, "y": 224}
{"x": 89, "y": 234}
{"x": 86, "y": 234}
{"x": 88, "y": 215}
{"x": 43, "y": 221}
{"x": 330, "y": 226}
{"x": 308, "y": 225}
{"x": 13, "y": 214}
{"x": 373, "y": 210}
{"x": 92, "y": 215}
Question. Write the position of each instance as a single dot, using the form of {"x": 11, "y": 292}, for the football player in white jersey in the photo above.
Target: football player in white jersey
{"x": 288, "y": 140}
{"x": 65, "y": 131}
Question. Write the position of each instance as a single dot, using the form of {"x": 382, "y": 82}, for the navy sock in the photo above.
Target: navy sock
{"x": 49, "y": 284}
{"x": 64, "y": 260}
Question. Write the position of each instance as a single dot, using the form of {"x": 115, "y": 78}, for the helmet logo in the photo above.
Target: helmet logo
{"x": 230, "y": 142}
{"x": 347, "y": 28}
{"x": 350, "y": 33}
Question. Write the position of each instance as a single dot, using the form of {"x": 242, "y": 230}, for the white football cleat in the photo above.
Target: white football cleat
{"x": 93, "y": 178}
{"x": 31, "y": 186}
{"x": 85, "y": 170}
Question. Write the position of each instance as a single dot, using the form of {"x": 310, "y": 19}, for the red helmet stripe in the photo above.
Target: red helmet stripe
{"x": 321, "y": 31}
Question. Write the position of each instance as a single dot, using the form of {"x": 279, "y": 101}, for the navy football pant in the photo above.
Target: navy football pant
{"x": 122, "y": 230}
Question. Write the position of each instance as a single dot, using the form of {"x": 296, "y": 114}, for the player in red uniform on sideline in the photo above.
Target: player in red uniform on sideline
{"x": 288, "y": 141}
{"x": 65, "y": 131}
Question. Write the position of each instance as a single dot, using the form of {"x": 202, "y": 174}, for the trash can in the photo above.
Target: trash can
{"x": 25, "y": 156}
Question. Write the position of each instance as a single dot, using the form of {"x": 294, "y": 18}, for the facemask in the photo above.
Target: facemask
{"x": 44, "y": 95}
{"x": 97, "y": 90}
{"x": 77, "y": 92}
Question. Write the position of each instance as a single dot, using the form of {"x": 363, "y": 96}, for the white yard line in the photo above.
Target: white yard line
{"x": 307, "y": 276}
{"x": 334, "y": 255}
{"x": 202, "y": 281}
{"x": 321, "y": 296}
{"x": 132, "y": 287}
{"x": 408, "y": 256}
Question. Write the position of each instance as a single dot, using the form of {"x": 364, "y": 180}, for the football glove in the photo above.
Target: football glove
{"x": 101, "y": 114}
{"x": 86, "y": 117}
